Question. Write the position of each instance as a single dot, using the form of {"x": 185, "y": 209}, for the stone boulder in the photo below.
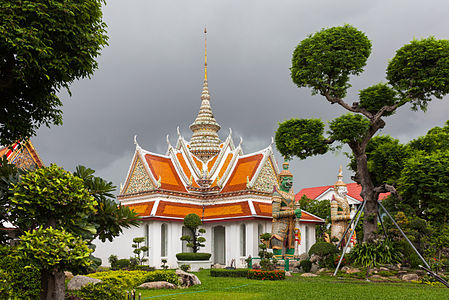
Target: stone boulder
{"x": 315, "y": 258}
{"x": 68, "y": 275}
{"x": 218, "y": 266}
{"x": 352, "y": 270}
{"x": 314, "y": 268}
{"x": 410, "y": 277}
{"x": 157, "y": 285}
{"x": 322, "y": 270}
{"x": 288, "y": 274}
{"x": 303, "y": 256}
{"x": 77, "y": 282}
{"x": 308, "y": 275}
{"x": 187, "y": 279}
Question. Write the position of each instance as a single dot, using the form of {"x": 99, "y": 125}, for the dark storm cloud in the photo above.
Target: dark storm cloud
{"x": 150, "y": 77}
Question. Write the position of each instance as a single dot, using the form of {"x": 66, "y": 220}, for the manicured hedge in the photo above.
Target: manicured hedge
{"x": 266, "y": 275}
{"x": 122, "y": 279}
{"x": 193, "y": 256}
{"x": 322, "y": 249}
{"x": 101, "y": 290}
{"x": 306, "y": 265}
{"x": 229, "y": 272}
{"x": 163, "y": 275}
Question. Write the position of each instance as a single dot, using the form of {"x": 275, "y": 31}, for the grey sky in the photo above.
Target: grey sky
{"x": 150, "y": 76}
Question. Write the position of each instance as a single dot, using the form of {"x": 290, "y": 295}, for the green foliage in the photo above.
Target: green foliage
{"x": 53, "y": 248}
{"x": 322, "y": 249}
{"x": 193, "y": 256}
{"x": 45, "y": 46}
{"x": 229, "y": 272}
{"x": 266, "y": 275}
{"x": 420, "y": 70}
{"x": 185, "y": 267}
{"x": 165, "y": 275}
{"x": 113, "y": 261}
{"x": 436, "y": 139}
{"x": 267, "y": 262}
{"x": 109, "y": 218}
{"x": 349, "y": 128}
{"x": 321, "y": 209}
{"x": 372, "y": 255}
{"x": 306, "y": 265}
{"x": 377, "y": 96}
{"x": 325, "y": 60}
{"x": 164, "y": 264}
{"x": 19, "y": 279}
{"x": 99, "y": 291}
{"x": 124, "y": 280}
{"x": 194, "y": 241}
{"x": 51, "y": 196}
{"x": 424, "y": 184}
{"x": 123, "y": 263}
{"x": 301, "y": 138}
{"x": 139, "y": 250}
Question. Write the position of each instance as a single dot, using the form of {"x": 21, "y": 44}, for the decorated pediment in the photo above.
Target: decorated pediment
{"x": 138, "y": 180}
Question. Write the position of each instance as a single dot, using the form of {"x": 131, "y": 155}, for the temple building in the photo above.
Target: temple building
{"x": 350, "y": 191}
{"x": 229, "y": 190}
{"x": 23, "y": 155}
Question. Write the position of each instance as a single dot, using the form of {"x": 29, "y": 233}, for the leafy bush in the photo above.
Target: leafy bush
{"x": 229, "y": 272}
{"x": 144, "y": 268}
{"x": 193, "y": 256}
{"x": 185, "y": 268}
{"x": 113, "y": 261}
{"x": 124, "y": 280}
{"x": 99, "y": 291}
{"x": 18, "y": 277}
{"x": 122, "y": 264}
{"x": 266, "y": 275}
{"x": 306, "y": 265}
{"x": 322, "y": 249}
{"x": 371, "y": 255}
{"x": 169, "y": 276}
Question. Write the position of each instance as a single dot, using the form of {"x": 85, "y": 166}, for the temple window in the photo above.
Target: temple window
{"x": 243, "y": 240}
{"x": 163, "y": 240}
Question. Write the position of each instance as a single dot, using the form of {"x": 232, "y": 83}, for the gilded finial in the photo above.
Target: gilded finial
{"x": 205, "y": 54}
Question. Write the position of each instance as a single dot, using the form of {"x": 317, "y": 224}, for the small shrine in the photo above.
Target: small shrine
{"x": 22, "y": 154}
{"x": 229, "y": 190}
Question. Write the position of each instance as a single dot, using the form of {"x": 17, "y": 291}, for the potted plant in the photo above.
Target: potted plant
{"x": 195, "y": 259}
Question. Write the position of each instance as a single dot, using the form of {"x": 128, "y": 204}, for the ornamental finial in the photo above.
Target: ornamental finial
{"x": 205, "y": 54}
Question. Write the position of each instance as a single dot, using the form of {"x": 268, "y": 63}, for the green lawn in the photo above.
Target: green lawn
{"x": 297, "y": 287}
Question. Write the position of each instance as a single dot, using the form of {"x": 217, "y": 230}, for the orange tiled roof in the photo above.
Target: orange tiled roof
{"x": 245, "y": 168}
{"x": 211, "y": 163}
{"x": 143, "y": 209}
{"x": 185, "y": 168}
{"x": 163, "y": 167}
{"x": 223, "y": 168}
{"x": 180, "y": 210}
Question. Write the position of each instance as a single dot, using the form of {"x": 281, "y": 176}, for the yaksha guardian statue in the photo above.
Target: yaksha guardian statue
{"x": 340, "y": 211}
{"x": 285, "y": 212}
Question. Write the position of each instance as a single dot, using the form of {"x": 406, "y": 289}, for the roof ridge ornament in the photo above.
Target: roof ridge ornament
{"x": 135, "y": 142}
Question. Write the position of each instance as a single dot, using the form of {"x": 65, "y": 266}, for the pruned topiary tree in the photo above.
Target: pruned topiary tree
{"x": 194, "y": 241}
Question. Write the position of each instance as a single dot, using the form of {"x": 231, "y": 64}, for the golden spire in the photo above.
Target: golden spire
{"x": 205, "y": 54}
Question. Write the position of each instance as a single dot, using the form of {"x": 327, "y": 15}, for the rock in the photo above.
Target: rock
{"x": 315, "y": 258}
{"x": 314, "y": 268}
{"x": 378, "y": 277}
{"x": 402, "y": 272}
{"x": 308, "y": 275}
{"x": 187, "y": 279}
{"x": 344, "y": 268}
{"x": 157, "y": 285}
{"x": 422, "y": 273}
{"x": 68, "y": 275}
{"x": 79, "y": 281}
{"x": 352, "y": 270}
{"x": 218, "y": 266}
{"x": 288, "y": 274}
{"x": 303, "y": 256}
{"x": 410, "y": 277}
{"x": 384, "y": 269}
{"x": 322, "y": 270}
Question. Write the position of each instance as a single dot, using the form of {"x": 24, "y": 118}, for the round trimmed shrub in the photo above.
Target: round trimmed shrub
{"x": 322, "y": 249}
{"x": 193, "y": 256}
{"x": 306, "y": 265}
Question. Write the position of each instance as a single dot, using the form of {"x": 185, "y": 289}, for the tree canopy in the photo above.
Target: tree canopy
{"x": 45, "y": 46}
{"x": 324, "y": 62}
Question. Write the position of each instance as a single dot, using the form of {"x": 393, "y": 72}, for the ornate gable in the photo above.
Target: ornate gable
{"x": 267, "y": 178}
{"x": 24, "y": 160}
{"x": 138, "y": 180}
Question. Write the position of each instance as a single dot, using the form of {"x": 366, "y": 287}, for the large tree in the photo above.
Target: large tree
{"x": 44, "y": 46}
{"x": 324, "y": 62}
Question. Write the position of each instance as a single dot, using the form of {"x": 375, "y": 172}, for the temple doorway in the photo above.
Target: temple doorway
{"x": 219, "y": 245}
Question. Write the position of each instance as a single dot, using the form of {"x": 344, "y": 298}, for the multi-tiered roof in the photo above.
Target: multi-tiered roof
{"x": 207, "y": 176}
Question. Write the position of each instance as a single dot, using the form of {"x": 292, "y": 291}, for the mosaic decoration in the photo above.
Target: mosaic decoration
{"x": 267, "y": 179}
{"x": 24, "y": 160}
{"x": 139, "y": 180}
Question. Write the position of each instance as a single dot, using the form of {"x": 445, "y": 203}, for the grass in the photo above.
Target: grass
{"x": 296, "y": 287}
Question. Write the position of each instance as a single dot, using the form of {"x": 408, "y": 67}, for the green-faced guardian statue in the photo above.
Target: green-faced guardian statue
{"x": 285, "y": 212}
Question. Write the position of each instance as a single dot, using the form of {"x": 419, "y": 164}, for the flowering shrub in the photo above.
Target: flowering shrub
{"x": 266, "y": 275}
{"x": 343, "y": 262}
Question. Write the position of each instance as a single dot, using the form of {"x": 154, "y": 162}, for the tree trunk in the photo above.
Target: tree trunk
{"x": 52, "y": 284}
{"x": 369, "y": 195}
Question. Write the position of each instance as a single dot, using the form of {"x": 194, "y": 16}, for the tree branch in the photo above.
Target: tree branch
{"x": 386, "y": 188}
{"x": 354, "y": 108}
